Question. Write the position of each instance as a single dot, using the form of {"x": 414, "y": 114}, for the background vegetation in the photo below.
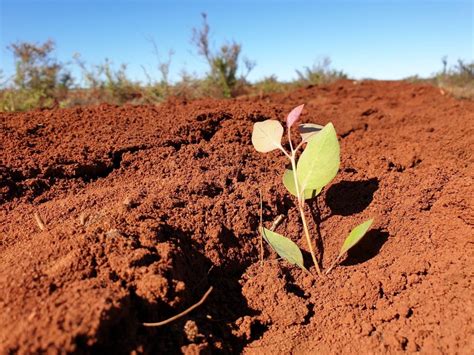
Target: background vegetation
{"x": 41, "y": 81}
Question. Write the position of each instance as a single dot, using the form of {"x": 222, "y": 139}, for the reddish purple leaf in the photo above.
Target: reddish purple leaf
{"x": 294, "y": 115}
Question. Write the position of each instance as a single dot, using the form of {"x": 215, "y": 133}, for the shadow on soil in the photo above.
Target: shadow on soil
{"x": 349, "y": 197}
{"x": 316, "y": 216}
{"x": 121, "y": 330}
{"x": 212, "y": 321}
{"x": 367, "y": 248}
{"x": 346, "y": 198}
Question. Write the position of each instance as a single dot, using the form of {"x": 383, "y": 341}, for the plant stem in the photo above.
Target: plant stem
{"x": 300, "y": 196}
{"x": 333, "y": 265}
{"x": 308, "y": 238}
{"x": 291, "y": 143}
{"x": 261, "y": 226}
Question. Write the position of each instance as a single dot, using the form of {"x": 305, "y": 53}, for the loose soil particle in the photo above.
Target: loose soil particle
{"x": 145, "y": 207}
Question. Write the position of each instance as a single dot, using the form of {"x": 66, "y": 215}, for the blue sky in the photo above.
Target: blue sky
{"x": 377, "y": 39}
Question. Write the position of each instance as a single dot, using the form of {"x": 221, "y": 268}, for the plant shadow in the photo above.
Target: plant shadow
{"x": 316, "y": 216}
{"x": 350, "y": 197}
{"x": 367, "y": 248}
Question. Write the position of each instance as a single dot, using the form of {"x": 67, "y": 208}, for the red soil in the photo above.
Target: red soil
{"x": 146, "y": 207}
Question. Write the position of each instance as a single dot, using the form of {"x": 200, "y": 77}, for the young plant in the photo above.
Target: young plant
{"x": 317, "y": 165}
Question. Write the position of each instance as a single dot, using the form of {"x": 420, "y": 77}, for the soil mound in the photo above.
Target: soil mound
{"x": 145, "y": 207}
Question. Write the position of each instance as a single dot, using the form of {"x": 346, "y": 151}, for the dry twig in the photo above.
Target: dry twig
{"x": 39, "y": 221}
{"x": 172, "y": 319}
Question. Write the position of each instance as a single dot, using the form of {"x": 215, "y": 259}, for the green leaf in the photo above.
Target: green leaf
{"x": 355, "y": 236}
{"x": 319, "y": 162}
{"x": 289, "y": 182}
{"x": 284, "y": 247}
{"x": 308, "y": 130}
{"x": 266, "y": 135}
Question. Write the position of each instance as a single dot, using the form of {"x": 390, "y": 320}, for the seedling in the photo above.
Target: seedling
{"x": 316, "y": 167}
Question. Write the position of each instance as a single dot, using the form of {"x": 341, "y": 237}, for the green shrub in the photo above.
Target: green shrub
{"x": 271, "y": 85}
{"x": 457, "y": 79}
{"x": 106, "y": 84}
{"x": 223, "y": 79}
{"x": 153, "y": 90}
{"x": 39, "y": 80}
{"x": 320, "y": 73}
